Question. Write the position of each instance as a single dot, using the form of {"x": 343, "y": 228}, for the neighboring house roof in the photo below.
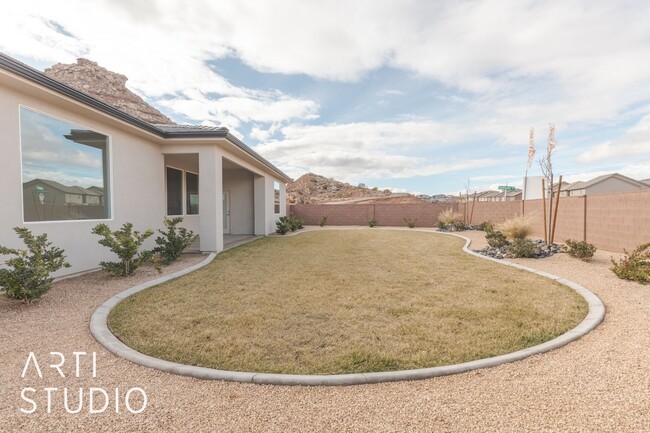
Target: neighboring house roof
{"x": 63, "y": 188}
{"x": 185, "y": 131}
{"x": 484, "y": 193}
{"x": 599, "y": 179}
{"x": 646, "y": 181}
{"x": 514, "y": 193}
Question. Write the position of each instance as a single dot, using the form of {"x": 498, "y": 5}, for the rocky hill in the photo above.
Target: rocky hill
{"x": 109, "y": 87}
{"x": 312, "y": 188}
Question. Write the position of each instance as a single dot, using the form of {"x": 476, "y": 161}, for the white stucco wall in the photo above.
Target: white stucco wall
{"x": 137, "y": 167}
{"x": 240, "y": 185}
{"x": 139, "y": 186}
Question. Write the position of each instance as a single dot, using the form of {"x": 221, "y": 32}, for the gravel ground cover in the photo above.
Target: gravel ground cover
{"x": 598, "y": 383}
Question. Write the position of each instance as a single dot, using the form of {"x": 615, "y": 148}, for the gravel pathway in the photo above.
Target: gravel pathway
{"x": 598, "y": 383}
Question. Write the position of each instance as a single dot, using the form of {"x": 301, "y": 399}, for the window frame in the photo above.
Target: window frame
{"x": 107, "y": 171}
{"x": 277, "y": 204}
{"x": 183, "y": 192}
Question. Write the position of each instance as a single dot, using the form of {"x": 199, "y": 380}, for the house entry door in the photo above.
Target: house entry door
{"x": 226, "y": 212}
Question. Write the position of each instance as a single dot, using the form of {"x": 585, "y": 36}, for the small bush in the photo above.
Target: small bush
{"x": 282, "y": 225}
{"x": 634, "y": 266}
{"x": 28, "y": 274}
{"x": 410, "y": 222}
{"x": 579, "y": 249}
{"x": 294, "y": 223}
{"x": 449, "y": 217}
{"x": 174, "y": 241}
{"x": 441, "y": 225}
{"x": 486, "y": 226}
{"x": 522, "y": 248}
{"x": 496, "y": 239}
{"x": 460, "y": 226}
{"x": 323, "y": 220}
{"x": 518, "y": 227}
{"x": 125, "y": 243}
{"x": 372, "y": 222}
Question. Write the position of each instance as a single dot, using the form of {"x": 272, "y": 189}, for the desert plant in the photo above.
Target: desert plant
{"x": 294, "y": 223}
{"x": 441, "y": 225}
{"x": 282, "y": 225}
{"x": 496, "y": 239}
{"x": 449, "y": 217}
{"x": 459, "y": 226}
{"x": 125, "y": 243}
{"x": 410, "y": 222}
{"x": 518, "y": 227}
{"x": 486, "y": 226}
{"x": 323, "y": 220}
{"x": 522, "y": 248}
{"x": 174, "y": 241}
{"x": 27, "y": 275}
{"x": 372, "y": 222}
{"x": 634, "y": 266}
{"x": 579, "y": 249}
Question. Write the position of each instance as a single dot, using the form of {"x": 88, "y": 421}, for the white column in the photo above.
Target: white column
{"x": 259, "y": 197}
{"x": 210, "y": 196}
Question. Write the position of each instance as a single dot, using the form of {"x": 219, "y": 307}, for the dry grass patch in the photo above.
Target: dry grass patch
{"x": 345, "y": 301}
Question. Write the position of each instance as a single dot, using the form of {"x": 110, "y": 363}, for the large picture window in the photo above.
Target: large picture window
{"x": 65, "y": 170}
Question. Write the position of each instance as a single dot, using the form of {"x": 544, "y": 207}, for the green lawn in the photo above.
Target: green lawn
{"x": 345, "y": 301}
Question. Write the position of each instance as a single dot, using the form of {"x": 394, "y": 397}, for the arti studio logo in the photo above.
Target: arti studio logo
{"x": 74, "y": 400}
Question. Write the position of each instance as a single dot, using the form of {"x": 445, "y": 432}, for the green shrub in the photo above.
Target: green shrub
{"x": 518, "y": 227}
{"x": 460, "y": 226}
{"x": 282, "y": 225}
{"x": 441, "y": 225}
{"x": 174, "y": 241}
{"x": 410, "y": 222}
{"x": 372, "y": 222}
{"x": 323, "y": 220}
{"x": 294, "y": 223}
{"x": 522, "y": 248}
{"x": 27, "y": 276}
{"x": 486, "y": 226}
{"x": 634, "y": 266}
{"x": 496, "y": 239}
{"x": 449, "y": 217}
{"x": 579, "y": 249}
{"x": 125, "y": 243}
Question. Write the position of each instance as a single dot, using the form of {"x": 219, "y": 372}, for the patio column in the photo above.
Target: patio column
{"x": 261, "y": 206}
{"x": 210, "y": 196}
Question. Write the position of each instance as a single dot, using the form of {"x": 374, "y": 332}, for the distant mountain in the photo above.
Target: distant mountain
{"x": 312, "y": 188}
{"x": 107, "y": 86}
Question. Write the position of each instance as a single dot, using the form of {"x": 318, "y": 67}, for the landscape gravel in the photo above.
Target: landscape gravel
{"x": 598, "y": 383}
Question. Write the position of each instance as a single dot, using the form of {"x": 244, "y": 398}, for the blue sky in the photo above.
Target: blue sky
{"x": 417, "y": 96}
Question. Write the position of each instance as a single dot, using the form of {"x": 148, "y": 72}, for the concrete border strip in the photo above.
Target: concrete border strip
{"x": 99, "y": 330}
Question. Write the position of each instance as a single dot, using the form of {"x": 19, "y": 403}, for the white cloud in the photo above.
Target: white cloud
{"x": 635, "y": 142}
{"x": 367, "y": 150}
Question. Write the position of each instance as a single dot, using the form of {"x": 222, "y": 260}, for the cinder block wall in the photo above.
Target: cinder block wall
{"x": 612, "y": 222}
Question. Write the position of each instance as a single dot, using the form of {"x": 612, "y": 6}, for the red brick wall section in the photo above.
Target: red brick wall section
{"x": 613, "y": 221}
{"x": 387, "y": 214}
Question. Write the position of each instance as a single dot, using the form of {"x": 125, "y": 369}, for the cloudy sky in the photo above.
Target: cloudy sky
{"x": 418, "y": 96}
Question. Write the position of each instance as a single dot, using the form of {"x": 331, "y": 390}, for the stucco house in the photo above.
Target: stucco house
{"x": 71, "y": 161}
{"x": 607, "y": 183}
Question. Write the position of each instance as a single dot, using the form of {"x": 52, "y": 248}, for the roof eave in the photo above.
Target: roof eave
{"x": 34, "y": 75}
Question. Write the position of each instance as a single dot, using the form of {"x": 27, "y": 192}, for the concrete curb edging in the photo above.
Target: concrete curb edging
{"x": 99, "y": 330}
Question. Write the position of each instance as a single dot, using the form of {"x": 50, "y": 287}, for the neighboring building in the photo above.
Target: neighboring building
{"x": 646, "y": 181}
{"x": 486, "y": 195}
{"x": 604, "y": 184}
{"x": 55, "y": 138}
